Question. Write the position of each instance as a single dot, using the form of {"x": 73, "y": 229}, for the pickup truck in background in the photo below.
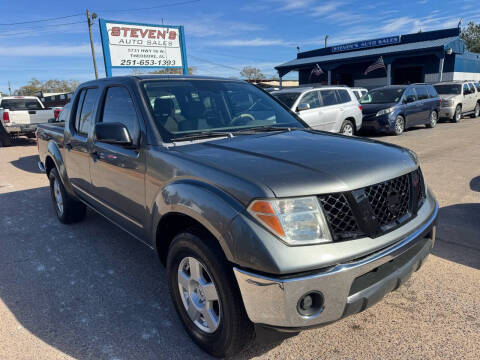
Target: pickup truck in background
{"x": 260, "y": 221}
{"x": 20, "y": 115}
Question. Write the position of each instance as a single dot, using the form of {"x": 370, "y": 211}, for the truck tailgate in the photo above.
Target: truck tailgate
{"x": 26, "y": 117}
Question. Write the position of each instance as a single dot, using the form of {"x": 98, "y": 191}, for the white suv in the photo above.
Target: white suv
{"x": 328, "y": 108}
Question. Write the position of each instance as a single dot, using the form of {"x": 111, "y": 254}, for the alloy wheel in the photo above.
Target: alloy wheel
{"x": 199, "y": 294}
{"x": 58, "y": 196}
{"x": 477, "y": 110}
{"x": 399, "y": 125}
{"x": 347, "y": 130}
{"x": 433, "y": 118}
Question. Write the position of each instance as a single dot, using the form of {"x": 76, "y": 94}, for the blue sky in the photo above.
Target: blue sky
{"x": 222, "y": 36}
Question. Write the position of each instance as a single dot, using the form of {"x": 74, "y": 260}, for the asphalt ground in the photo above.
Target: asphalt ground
{"x": 90, "y": 291}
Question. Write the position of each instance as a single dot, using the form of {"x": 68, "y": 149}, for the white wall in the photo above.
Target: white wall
{"x": 466, "y": 76}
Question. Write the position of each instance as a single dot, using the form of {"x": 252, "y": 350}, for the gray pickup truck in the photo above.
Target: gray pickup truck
{"x": 260, "y": 221}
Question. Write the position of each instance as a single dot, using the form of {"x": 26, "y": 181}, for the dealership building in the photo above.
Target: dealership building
{"x": 429, "y": 56}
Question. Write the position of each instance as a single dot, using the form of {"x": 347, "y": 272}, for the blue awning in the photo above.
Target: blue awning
{"x": 455, "y": 43}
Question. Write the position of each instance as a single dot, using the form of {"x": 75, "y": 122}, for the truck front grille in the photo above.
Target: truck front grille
{"x": 381, "y": 207}
{"x": 390, "y": 200}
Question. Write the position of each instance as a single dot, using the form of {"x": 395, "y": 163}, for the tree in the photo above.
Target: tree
{"x": 252, "y": 73}
{"x": 471, "y": 35}
{"x": 52, "y": 85}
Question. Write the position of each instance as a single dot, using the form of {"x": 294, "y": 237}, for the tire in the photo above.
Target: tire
{"x": 229, "y": 331}
{"x": 347, "y": 129}
{"x": 457, "y": 116}
{"x": 399, "y": 125}
{"x": 5, "y": 139}
{"x": 68, "y": 210}
{"x": 476, "y": 111}
{"x": 433, "y": 120}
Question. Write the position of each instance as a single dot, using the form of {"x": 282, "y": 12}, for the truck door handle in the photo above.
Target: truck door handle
{"x": 32, "y": 112}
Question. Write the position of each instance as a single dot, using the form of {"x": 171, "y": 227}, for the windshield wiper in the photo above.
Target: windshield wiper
{"x": 267, "y": 128}
{"x": 202, "y": 135}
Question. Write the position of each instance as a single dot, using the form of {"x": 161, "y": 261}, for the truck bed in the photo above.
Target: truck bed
{"x": 49, "y": 132}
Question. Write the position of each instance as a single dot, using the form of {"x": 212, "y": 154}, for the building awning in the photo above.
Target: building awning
{"x": 455, "y": 43}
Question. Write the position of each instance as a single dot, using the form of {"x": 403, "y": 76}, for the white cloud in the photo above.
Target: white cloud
{"x": 53, "y": 50}
{"x": 396, "y": 24}
{"x": 295, "y": 4}
{"x": 252, "y": 42}
{"x": 325, "y": 9}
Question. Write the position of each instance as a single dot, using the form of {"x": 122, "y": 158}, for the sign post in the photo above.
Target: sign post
{"x": 146, "y": 46}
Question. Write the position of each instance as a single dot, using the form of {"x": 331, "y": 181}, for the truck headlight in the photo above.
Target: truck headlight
{"x": 297, "y": 221}
{"x": 447, "y": 103}
{"x": 385, "y": 111}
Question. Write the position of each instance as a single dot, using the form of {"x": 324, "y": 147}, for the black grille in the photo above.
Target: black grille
{"x": 390, "y": 200}
{"x": 340, "y": 217}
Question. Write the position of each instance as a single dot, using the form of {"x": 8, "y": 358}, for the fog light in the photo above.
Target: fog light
{"x": 310, "y": 304}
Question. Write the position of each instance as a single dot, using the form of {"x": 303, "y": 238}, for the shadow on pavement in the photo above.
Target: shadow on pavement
{"x": 89, "y": 289}
{"x": 27, "y": 163}
{"x": 458, "y": 236}
{"x": 475, "y": 184}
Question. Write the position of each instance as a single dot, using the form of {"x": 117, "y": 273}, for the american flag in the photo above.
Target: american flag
{"x": 317, "y": 71}
{"x": 379, "y": 64}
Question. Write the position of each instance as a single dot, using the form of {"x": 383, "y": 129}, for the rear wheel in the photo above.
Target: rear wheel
{"x": 433, "y": 120}
{"x": 205, "y": 295}
{"x": 399, "y": 125}
{"x": 476, "y": 111}
{"x": 347, "y": 128}
{"x": 457, "y": 116}
{"x": 68, "y": 210}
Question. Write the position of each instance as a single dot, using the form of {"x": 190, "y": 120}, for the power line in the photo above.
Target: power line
{"x": 42, "y": 20}
{"x": 213, "y": 63}
{"x": 151, "y": 7}
{"x": 47, "y": 28}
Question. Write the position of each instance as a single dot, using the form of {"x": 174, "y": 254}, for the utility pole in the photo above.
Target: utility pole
{"x": 326, "y": 40}
{"x": 9, "y": 88}
{"x": 89, "y": 20}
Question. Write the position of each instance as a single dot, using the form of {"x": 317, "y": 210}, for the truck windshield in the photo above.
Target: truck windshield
{"x": 287, "y": 98}
{"x": 382, "y": 96}
{"x": 449, "y": 89}
{"x": 188, "y": 107}
{"x": 20, "y": 104}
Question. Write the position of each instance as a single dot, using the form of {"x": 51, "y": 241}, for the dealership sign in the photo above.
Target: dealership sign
{"x": 134, "y": 45}
{"x": 366, "y": 44}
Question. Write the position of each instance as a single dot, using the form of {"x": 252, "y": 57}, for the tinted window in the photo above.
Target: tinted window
{"x": 357, "y": 94}
{"x": 343, "y": 96}
{"x": 472, "y": 88}
{"x": 119, "y": 108}
{"x": 20, "y": 104}
{"x": 287, "y": 98}
{"x": 85, "y": 112}
{"x": 431, "y": 91}
{"x": 466, "y": 89}
{"x": 328, "y": 97}
{"x": 410, "y": 95}
{"x": 477, "y": 85}
{"x": 422, "y": 93}
{"x": 311, "y": 99}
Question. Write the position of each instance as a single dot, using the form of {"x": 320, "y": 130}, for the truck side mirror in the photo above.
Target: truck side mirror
{"x": 112, "y": 133}
{"x": 302, "y": 107}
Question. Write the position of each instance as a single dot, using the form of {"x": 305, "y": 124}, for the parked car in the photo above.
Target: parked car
{"x": 458, "y": 98}
{"x": 359, "y": 92}
{"x": 328, "y": 108}
{"x": 20, "y": 115}
{"x": 392, "y": 109}
{"x": 258, "y": 218}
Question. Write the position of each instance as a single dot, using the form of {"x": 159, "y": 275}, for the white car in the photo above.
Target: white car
{"x": 328, "y": 108}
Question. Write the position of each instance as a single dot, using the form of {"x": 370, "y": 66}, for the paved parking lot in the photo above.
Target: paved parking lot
{"x": 89, "y": 291}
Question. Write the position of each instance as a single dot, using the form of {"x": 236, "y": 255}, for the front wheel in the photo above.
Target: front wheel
{"x": 347, "y": 128}
{"x": 457, "y": 116}
{"x": 399, "y": 125}
{"x": 205, "y": 295}
{"x": 433, "y": 120}
{"x": 476, "y": 111}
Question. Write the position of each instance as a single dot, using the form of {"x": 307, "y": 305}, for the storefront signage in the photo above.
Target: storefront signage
{"x": 366, "y": 44}
{"x": 134, "y": 45}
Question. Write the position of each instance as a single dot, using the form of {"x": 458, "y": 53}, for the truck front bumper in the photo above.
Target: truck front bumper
{"x": 446, "y": 113}
{"x": 338, "y": 291}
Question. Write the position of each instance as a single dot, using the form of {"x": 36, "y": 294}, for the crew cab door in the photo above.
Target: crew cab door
{"x": 118, "y": 172}
{"x": 77, "y": 144}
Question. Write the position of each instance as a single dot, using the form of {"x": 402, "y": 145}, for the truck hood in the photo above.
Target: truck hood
{"x": 368, "y": 109}
{"x": 299, "y": 163}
